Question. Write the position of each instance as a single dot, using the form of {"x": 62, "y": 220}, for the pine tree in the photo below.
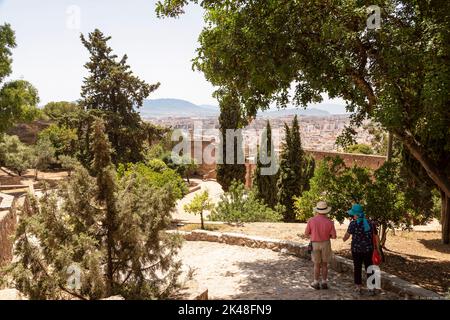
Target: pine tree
{"x": 230, "y": 118}
{"x": 113, "y": 92}
{"x": 295, "y": 170}
{"x": 105, "y": 228}
{"x": 266, "y": 184}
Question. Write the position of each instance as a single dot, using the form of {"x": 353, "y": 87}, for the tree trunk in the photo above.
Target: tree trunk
{"x": 445, "y": 218}
{"x": 389, "y": 147}
{"x": 433, "y": 170}
{"x": 109, "y": 271}
{"x": 201, "y": 218}
{"x": 383, "y": 236}
{"x": 110, "y": 247}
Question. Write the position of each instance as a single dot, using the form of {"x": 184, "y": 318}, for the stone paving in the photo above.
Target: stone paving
{"x": 235, "y": 272}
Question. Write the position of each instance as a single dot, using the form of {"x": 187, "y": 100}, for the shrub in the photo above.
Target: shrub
{"x": 44, "y": 155}
{"x": 359, "y": 148}
{"x": 199, "y": 204}
{"x": 157, "y": 165}
{"x": 68, "y": 163}
{"x": 164, "y": 177}
{"x": 63, "y": 139}
{"x": 238, "y": 206}
{"x": 380, "y": 192}
{"x": 15, "y": 155}
{"x": 57, "y": 110}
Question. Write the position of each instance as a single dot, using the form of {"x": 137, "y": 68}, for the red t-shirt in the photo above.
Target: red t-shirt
{"x": 320, "y": 228}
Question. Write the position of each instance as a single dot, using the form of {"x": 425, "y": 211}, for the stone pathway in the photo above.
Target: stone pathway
{"x": 215, "y": 191}
{"x": 235, "y": 272}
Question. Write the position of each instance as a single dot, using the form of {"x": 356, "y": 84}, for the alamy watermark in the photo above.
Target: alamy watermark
{"x": 231, "y": 147}
{"x": 374, "y": 280}
{"x": 73, "y": 277}
{"x": 73, "y": 17}
{"x": 373, "y": 21}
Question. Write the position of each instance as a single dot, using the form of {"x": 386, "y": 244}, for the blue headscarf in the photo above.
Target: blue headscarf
{"x": 357, "y": 210}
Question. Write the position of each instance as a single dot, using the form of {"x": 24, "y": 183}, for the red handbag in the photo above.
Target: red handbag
{"x": 376, "y": 258}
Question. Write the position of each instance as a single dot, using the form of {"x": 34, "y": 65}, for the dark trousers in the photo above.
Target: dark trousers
{"x": 358, "y": 260}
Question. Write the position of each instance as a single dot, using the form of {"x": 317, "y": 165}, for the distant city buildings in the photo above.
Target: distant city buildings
{"x": 317, "y": 132}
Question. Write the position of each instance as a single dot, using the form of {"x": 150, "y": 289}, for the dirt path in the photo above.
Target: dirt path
{"x": 417, "y": 257}
{"x": 235, "y": 272}
{"x": 215, "y": 191}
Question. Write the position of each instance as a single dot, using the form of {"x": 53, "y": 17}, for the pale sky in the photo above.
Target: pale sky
{"x": 50, "y": 55}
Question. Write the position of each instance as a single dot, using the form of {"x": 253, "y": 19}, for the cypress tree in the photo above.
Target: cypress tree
{"x": 266, "y": 185}
{"x": 295, "y": 170}
{"x": 230, "y": 118}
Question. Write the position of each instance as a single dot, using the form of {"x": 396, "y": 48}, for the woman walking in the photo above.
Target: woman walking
{"x": 362, "y": 248}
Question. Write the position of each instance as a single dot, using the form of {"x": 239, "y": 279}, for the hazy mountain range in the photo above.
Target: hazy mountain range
{"x": 157, "y": 108}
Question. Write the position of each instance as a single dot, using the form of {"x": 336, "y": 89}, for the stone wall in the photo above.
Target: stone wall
{"x": 8, "y": 221}
{"x": 208, "y": 171}
{"x": 205, "y": 169}
{"x": 351, "y": 159}
{"x": 388, "y": 281}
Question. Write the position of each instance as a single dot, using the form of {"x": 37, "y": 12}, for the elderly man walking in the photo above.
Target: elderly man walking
{"x": 320, "y": 229}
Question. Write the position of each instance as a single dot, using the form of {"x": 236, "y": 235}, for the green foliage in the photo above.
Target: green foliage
{"x": 421, "y": 196}
{"x": 230, "y": 119}
{"x": 379, "y": 138}
{"x": 335, "y": 183}
{"x": 238, "y": 206}
{"x": 7, "y": 42}
{"x": 157, "y": 165}
{"x": 385, "y": 199}
{"x": 61, "y": 109}
{"x": 63, "y": 139}
{"x": 226, "y": 173}
{"x": 183, "y": 165}
{"x": 107, "y": 227}
{"x": 68, "y": 163}
{"x": 112, "y": 92}
{"x": 15, "y": 155}
{"x": 158, "y": 176}
{"x": 397, "y": 76}
{"x": 155, "y": 151}
{"x": 308, "y": 167}
{"x": 382, "y": 193}
{"x": 44, "y": 154}
{"x": 295, "y": 171}
{"x": 18, "y": 99}
{"x": 360, "y": 148}
{"x": 199, "y": 204}
{"x": 265, "y": 184}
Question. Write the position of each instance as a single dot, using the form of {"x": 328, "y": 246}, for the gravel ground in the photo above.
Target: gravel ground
{"x": 235, "y": 272}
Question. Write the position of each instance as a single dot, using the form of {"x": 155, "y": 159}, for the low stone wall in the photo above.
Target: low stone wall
{"x": 193, "y": 189}
{"x": 388, "y": 281}
{"x": 8, "y": 221}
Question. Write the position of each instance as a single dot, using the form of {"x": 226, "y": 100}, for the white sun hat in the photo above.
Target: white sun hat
{"x": 322, "y": 207}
